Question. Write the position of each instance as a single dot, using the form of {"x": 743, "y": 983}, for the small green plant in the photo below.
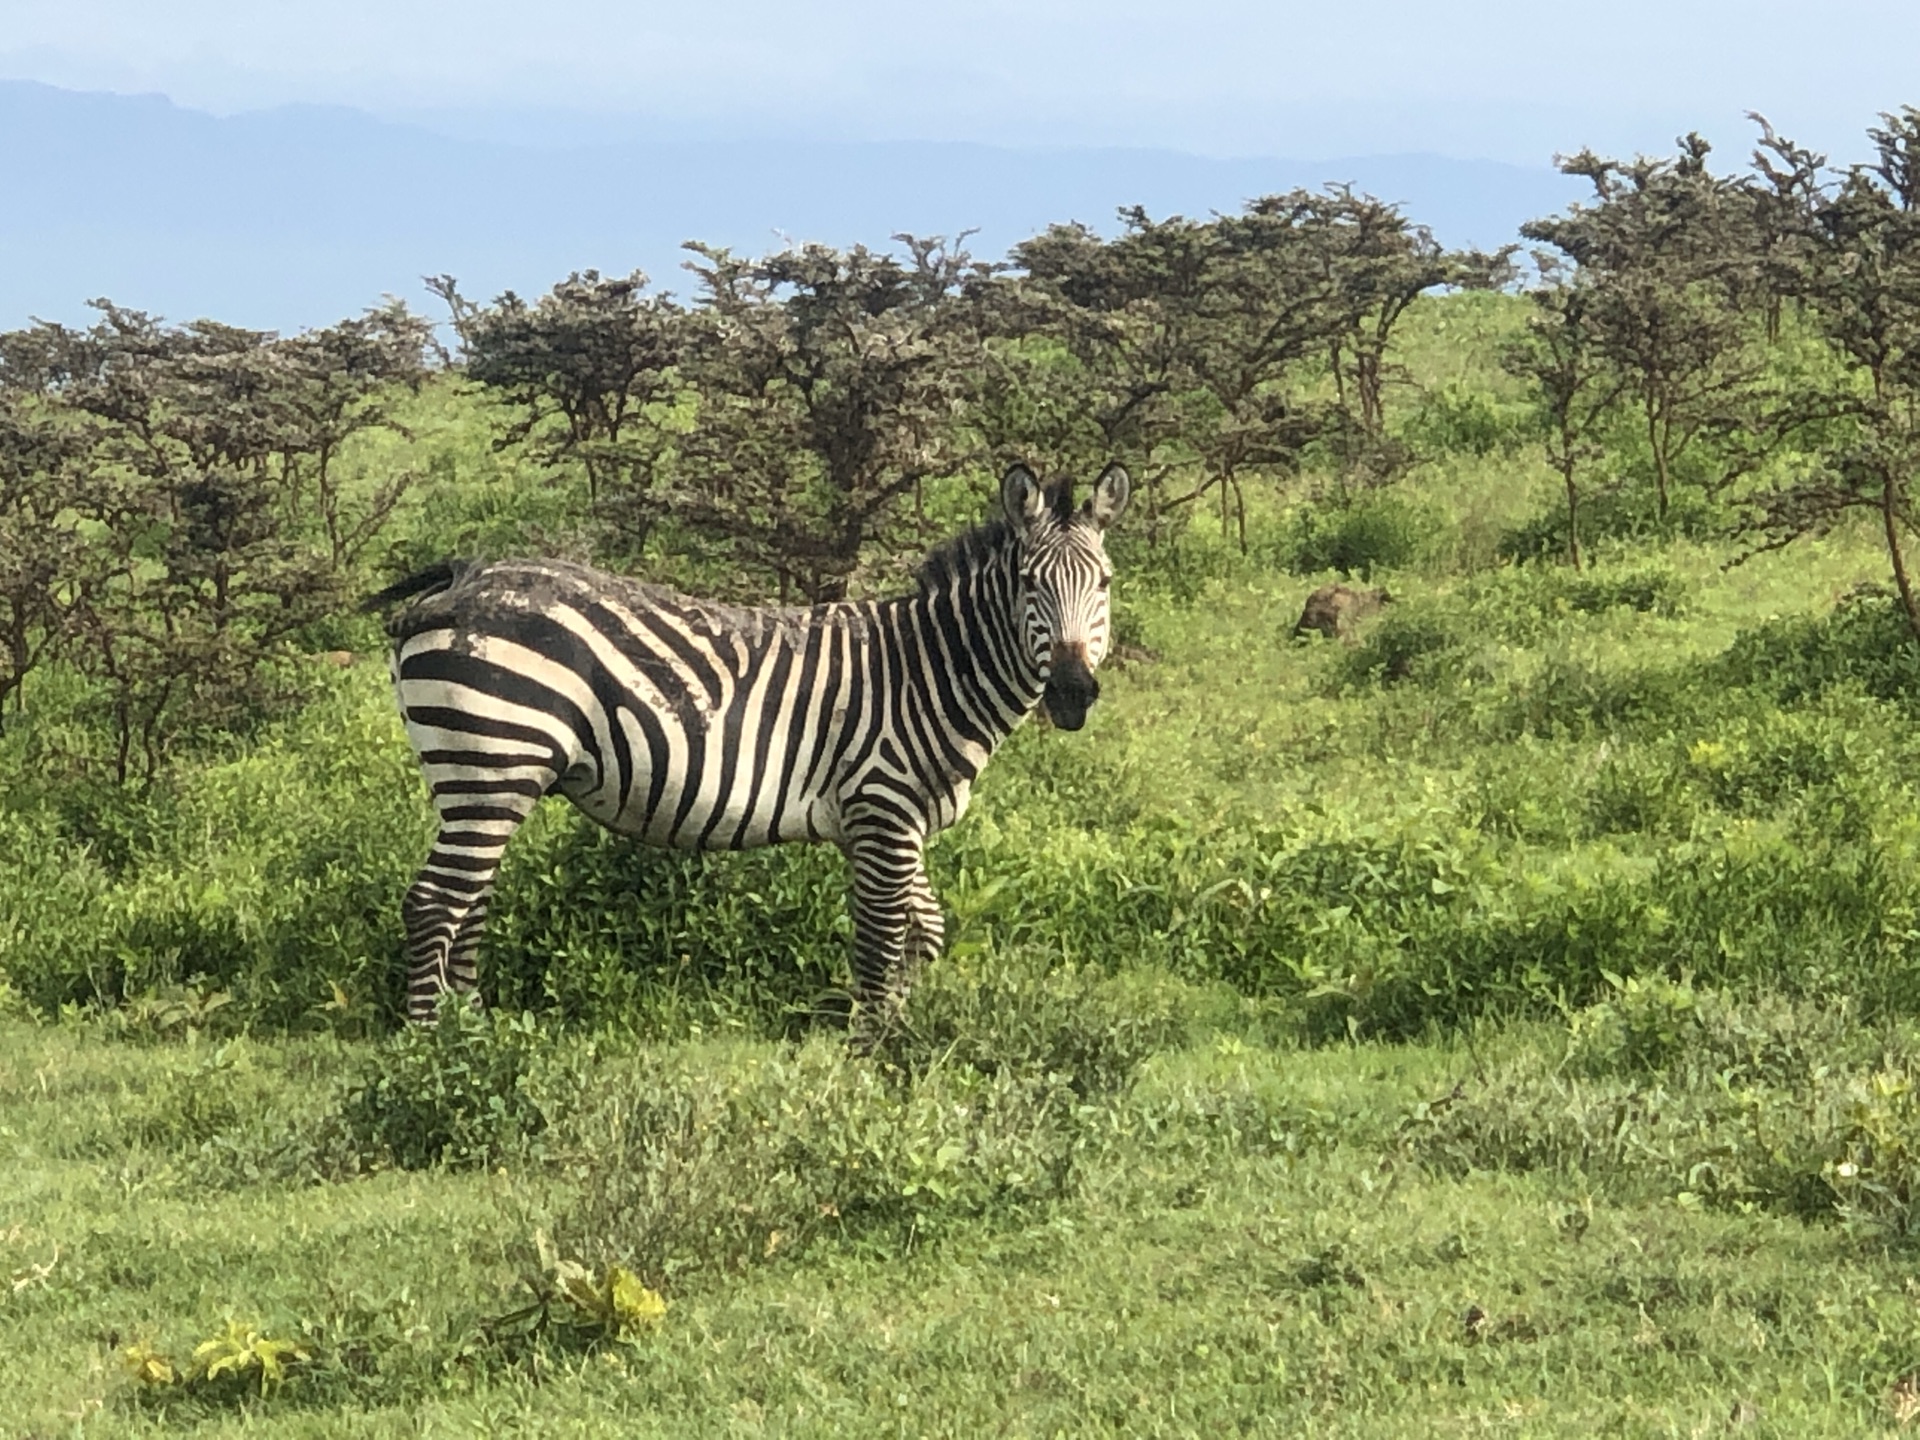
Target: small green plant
{"x": 679, "y": 1169}
{"x": 1642, "y": 1025}
{"x": 242, "y": 1353}
{"x": 239, "y": 1361}
{"x": 611, "y": 1305}
{"x": 1873, "y": 1157}
{"x": 461, "y": 1092}
{"x": 168, "y": 1012}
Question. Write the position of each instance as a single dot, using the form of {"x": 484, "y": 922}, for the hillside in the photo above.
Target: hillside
{"x": 1502, "y": 1023}
{"x": 294, "y": 217}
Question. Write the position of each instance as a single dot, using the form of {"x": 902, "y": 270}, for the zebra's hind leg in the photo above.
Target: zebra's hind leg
{"x": 446, "y": 908}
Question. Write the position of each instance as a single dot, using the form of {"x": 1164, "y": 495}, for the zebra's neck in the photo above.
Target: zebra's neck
{"x": 966, "y": 657}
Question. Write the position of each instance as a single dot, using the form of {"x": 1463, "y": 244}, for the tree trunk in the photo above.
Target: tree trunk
{"x": 1573, "y": 520}
{"x": 1890, "y": 519}
{"x": 1656, "y": 443}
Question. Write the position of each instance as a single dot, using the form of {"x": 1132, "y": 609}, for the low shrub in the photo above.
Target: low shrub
{"x": 1700, "y": 1095}
{"x": 1619, "y": 514}
{"x": 465, "y": 1091}
{"x": 697, "y": 1163}
{"x": 1863, "y": 644}
{"x": 1409, "y": 643}
{"x": 1382, "y": 532}
{"x": 1020, "y": 1015}
{"x": 1453, "y": 418}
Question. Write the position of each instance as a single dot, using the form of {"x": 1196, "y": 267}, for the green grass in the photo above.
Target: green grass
{"x": 1256, "y": 1242}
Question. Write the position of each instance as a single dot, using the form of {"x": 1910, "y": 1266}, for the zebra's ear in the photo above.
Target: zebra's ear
{"x": 1022, "y": 498}
{"x": 1110, "y": 495}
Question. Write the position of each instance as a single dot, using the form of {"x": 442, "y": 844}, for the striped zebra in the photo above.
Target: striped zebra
{"x": 700, "y": 726}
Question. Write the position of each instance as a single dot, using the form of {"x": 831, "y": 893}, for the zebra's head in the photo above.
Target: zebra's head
{"x": 1064, "y": 573}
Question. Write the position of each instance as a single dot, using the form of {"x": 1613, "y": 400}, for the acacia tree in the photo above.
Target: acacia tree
{"x": 192, "y": 557}
{"x": 1187, "y": 340}
{"x": 589, "y": 367}
{"x": 1668, "y": 254}
{"x": 1861, "y": 282}
{"x": 1573, "y": 386}
{"x": 1784, "y": 195}
{"x": 333, "y": 384}
{"x": 1266, "y": 304}
{"x": 1373, "y": 264}
{"x": 829, "y": 385}
{"x": 40, "y": 545}
{"x": 1098, "y": 328}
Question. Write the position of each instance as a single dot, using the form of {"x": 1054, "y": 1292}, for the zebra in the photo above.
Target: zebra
{"x": 685, "y": 723}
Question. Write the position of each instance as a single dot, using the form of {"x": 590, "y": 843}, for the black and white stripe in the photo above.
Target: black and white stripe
{"x": 711, "y": 727}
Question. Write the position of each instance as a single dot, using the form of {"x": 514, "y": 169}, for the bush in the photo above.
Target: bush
{"x": 464, "y": 1092}
{"x": 1384, "y": 532}
{"x": 1072, "y": 1023}
{"x": 275, "y": 876}
{"x": 1622, "y": 513}
{"x": 1864, "y": 643}
{"x": 594, "y": 926}
{"x": 1454, "y": 419}
{"x": 703, "y": 1162}
{"x": 1703, "y": 1096}
{"x": 1409, "y": 642}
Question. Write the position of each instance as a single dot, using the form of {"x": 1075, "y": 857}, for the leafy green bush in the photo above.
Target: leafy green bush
{"x": 1454, "y": 418}
{"x": 1650, "y": 590}
{"x": 274, "y": 876}
{"x": 1074, "y": 1023}
{"x": 1864, "y": 643}
{"x": 1409, "y": 642}
{"x": 1644, "y": 1025}
{"x": 466, "y": 1091}
{"x": 1383, "y": 532}
{"x": 700, "y": 1163}
{"x": 594, "y": 926}
{"x": 1621, "y": 514}
{"x": 1700, "y": 1095}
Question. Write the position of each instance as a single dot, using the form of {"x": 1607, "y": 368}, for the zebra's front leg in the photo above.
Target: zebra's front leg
{"x": 896, "y": 928}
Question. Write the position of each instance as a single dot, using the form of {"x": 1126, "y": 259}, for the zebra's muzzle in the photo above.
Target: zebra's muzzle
{"x": 1071, "y": 689}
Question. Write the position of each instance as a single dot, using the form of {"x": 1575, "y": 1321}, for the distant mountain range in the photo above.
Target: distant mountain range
{"x": 299, "y": 216}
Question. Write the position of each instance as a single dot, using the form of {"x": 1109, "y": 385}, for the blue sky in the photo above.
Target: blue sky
{"x": 1222, "y": 77}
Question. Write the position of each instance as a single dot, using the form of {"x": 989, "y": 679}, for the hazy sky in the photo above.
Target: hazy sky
{"x": 1468, "y": 77}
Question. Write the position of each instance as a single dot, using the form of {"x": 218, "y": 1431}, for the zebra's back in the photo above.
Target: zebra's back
{"x": 674, "y": 720}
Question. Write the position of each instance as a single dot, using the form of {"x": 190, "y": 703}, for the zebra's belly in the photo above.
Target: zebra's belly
{"x": 699, "y": 794}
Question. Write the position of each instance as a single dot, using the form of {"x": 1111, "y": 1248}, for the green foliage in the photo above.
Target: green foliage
{"x": 1383, "y": 532}
{"x": 270, "y": 876}
{"x": 465, "y": 1091}
{"x": 237, "y": 1363}
{"x": 1615, "y": 516}
{"x": 1020, "y": 1015}
{"x": 1862, "y": 643}
{"x": 681, "y": 1169}
{"x": 1456, "y": 418}
{"x": 1645, "y": 1025}
{"x": 1409, "y": 643}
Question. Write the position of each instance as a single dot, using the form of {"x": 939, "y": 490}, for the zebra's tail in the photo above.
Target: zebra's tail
{"x": 433, "y": 578}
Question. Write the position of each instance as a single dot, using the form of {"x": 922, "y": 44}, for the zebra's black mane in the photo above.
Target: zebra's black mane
{"x": 967, "y": 552}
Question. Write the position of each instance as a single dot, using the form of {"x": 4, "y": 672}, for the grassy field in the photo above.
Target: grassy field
{"x": 1252, "y": 1241}
{"x": 1503, "y": 1024}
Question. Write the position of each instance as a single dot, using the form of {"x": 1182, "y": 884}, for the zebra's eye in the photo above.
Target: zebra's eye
{"x": 1106, "y": 581}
